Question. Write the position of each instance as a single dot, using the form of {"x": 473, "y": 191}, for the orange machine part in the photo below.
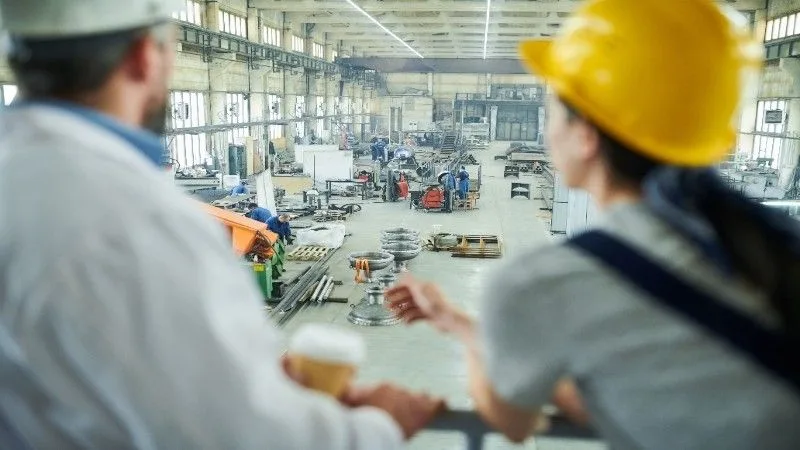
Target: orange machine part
{"x": 247, "y": 235}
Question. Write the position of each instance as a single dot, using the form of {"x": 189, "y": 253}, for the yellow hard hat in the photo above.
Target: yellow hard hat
{"x": 664, "y": 78}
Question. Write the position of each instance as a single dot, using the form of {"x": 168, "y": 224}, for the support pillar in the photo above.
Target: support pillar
{"x": 212, "y": 15}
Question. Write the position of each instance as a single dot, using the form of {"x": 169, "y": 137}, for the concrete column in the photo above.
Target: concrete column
{"x": 212, "y": 15}
{"x": 430, "y": 84}
{"x": 287, "y": 36}
{"x": 254, "y": 25}
{"x": 218, "y": 85}
{"x": 329, "y": 52}
{"x": 308, "y": 45}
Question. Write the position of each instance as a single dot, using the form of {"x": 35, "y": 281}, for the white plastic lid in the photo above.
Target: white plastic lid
{"x": 328, "y": 343}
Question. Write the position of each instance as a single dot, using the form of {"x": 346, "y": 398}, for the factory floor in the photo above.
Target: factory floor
{"x": 417, "y": 356}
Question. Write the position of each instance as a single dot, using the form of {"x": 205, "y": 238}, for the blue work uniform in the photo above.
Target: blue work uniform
{"x": 260, "y": 214}
{"x": 450, "y": 182}
{"x": 240, "y": 190}
{"x": 377, "y": 150}
{"x": 281, "y": 228}
{"x": 463, "y": 183}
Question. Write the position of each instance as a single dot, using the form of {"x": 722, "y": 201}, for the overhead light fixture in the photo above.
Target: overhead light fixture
{"x": 486, "y": 30}
{"x": 375, "y": 21}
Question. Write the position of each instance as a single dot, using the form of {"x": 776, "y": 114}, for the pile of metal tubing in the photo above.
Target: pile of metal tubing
{"x": 313, "y": 286}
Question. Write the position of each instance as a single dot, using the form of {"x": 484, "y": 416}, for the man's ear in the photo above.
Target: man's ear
{"x": 140, "y": 62}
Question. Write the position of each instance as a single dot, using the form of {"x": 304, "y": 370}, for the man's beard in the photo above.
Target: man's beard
{"x": 155, "y": 120}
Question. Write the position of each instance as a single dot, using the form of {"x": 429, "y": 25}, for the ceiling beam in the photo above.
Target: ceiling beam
{"x": 377, "y": 40}
{"x": 376, "y": 6}
{"x": 439, "y": 65}
{"x": 508, "y": 6}
{"x": 388, "y": 20}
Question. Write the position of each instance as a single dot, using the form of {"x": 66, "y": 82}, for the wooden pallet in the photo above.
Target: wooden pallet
{"x": 307, "y": 253}
{"x": 471, "y": 202}
{"x": 478, "y": 246}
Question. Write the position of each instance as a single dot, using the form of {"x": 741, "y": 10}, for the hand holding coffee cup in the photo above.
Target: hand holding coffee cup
{"x": 325, "y": 358}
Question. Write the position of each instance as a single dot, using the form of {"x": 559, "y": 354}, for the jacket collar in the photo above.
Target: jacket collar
{"x": 148, "y": 144}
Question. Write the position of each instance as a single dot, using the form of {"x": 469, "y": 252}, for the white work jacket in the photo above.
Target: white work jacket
{"x": 126, "y": 321}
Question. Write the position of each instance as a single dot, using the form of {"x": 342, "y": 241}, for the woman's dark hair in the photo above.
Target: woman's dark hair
{"x": 754, "y": 240}
{"x": 626, "y": 165}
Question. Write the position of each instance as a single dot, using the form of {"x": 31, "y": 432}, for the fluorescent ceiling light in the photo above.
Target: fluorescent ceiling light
{"x": 375, "y": 21}
{"x": 486, "y": 30}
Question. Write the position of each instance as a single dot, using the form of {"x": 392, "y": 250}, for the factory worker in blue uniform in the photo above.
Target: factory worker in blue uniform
{"x": 378, "y": 149}
{"x": 280, "y": 225}
{"x": 133, "y": 325}
{"x": 463, "y": 182}
{"x": 241, "y": 189}
{"x": 258, "y": 213}
{"x": 449, "y": 185}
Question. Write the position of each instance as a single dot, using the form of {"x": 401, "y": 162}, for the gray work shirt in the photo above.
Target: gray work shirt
{"x": 649, "y": 379}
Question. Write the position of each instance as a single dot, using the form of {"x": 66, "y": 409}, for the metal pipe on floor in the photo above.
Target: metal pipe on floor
{"x": 326, "y": 291}
{"x": 320, "y": 287}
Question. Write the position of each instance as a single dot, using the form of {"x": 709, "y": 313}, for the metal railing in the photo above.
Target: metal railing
{"x": 475, "y": 430}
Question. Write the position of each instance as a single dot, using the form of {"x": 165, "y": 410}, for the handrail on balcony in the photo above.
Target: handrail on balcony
{"x": 470, "y": 424}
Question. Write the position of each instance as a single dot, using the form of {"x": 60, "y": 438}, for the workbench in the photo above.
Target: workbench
{"x": 329, "y": 185}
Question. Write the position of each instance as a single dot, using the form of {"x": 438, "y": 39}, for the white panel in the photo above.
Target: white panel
{"x": 299, "y": 150}
{"x": 558, "y": 222}
{"x": 326, "y": 165}
{"x": 576, "y": 220}
{"x": 561, "y": 193}
{"x": 9, "y": 93}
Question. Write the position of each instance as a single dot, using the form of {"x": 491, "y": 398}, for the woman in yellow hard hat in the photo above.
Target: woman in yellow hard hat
{"x": 674, "y": 324}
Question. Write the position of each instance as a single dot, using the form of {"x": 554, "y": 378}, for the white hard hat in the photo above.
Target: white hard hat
{"x": 75, "y": 18}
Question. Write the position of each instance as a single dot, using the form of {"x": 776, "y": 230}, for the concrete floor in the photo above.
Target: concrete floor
{"x": 417, "y": 356}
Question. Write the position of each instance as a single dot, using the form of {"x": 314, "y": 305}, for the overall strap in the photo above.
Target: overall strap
{"x": 774, "y": 351}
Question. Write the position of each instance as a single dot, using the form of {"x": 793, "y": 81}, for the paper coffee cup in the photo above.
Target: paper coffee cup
{"x": 327, "y": 357}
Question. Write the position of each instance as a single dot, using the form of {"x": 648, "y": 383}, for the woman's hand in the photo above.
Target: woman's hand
{"x": 414, "y": 300}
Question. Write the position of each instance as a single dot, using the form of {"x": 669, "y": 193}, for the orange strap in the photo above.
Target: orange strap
{"x": 362, "y": 265}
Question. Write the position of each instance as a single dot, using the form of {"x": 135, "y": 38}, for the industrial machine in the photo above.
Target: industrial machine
{"x": 396, "y": 186}
{"x": 434, "y": 198}
{"x": 260, "y": 248}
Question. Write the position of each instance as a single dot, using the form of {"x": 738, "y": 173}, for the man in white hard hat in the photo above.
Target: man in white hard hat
{"x": 130, "y": 324}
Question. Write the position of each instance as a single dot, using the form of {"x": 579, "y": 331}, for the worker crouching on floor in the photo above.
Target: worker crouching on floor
{"x": 463, "y": 183}
{"x": 675, "y": 323}
{"x": 132, "y": 324}
{"x": 280, "y": 225}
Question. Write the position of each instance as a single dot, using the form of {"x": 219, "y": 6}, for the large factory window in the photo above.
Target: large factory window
{"x": 272, "y": 36}
{"x": 275, "y": 131}
{"x": 782, "y": 27}
{"x": 274, "y": 113}
{"x": 298, "y": 44}
{"x": 190, "y": 150}
{"x": 188, "y": 109}
{"x": 770, "y": 128}
{"x": 191, "y": 13}
{"x": 232, "y": 24}
{"x": 9, "y": 93}
{"x": 318, "y": 51}
{"x": 237, "y": 110}
{"x": 274, "y": 105}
